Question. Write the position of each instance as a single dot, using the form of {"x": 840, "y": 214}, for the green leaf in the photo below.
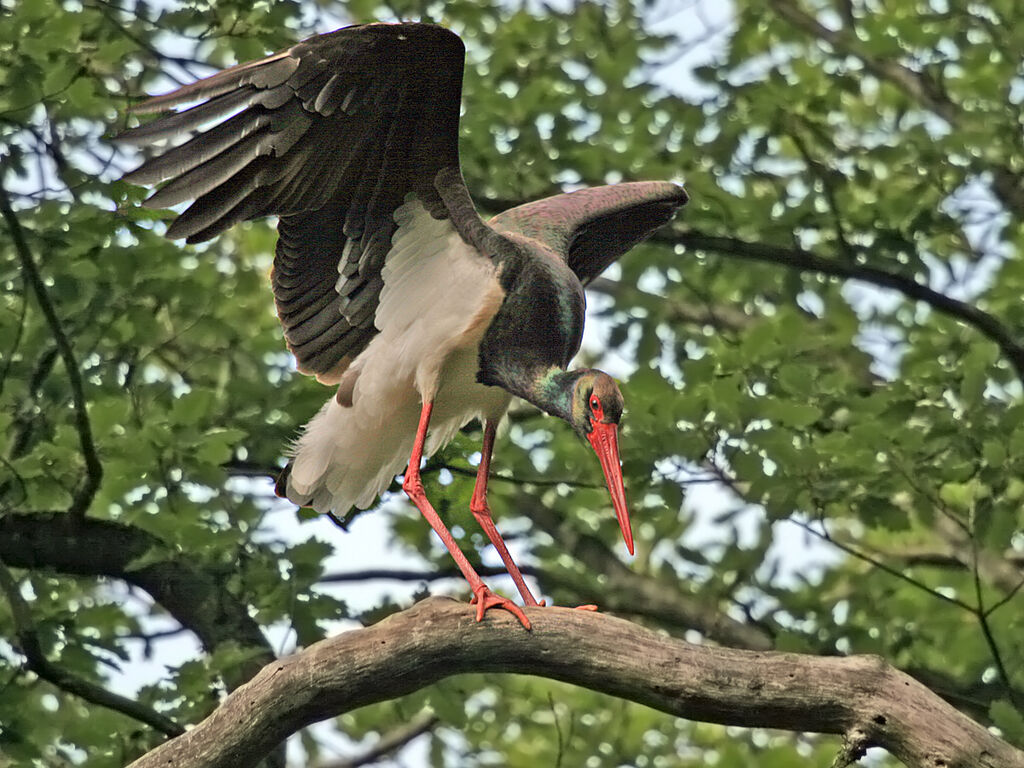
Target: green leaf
{"x": 994, "y": 453}
{"x": 1008, "y": 719}
{"x": 151, "y": 556}
{"x": 790, "y": 413}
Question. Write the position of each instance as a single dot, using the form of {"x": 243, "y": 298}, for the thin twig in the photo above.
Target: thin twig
{"x": 412, "y": 574}
{"x": 876, "y": 563}
{"x": 982, "y": 614}
{"x": 806, "y": 261}
{"x": 824, "y": 535}
{"x": 36, "y": 661}
{"x": 93, "y": 467}
{"x": 389, "y": 742}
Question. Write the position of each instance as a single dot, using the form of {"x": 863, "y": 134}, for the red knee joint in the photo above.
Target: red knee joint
{"x": 413, "y": 486}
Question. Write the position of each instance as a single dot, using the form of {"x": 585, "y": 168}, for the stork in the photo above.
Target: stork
{"x": 388, "y": 284}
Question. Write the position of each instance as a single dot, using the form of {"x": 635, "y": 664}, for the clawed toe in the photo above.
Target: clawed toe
{"x": 484, "y": 599}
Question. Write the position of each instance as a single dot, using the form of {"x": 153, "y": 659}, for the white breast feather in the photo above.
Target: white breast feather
{"x": 434, "y": 287}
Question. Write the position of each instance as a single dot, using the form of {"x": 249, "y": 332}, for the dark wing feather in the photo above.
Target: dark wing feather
{"x": 330, "y": 135}
{"x": 591, "y": 228}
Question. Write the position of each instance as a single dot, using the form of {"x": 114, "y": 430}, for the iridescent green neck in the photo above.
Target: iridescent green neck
{"x": 552, "y": 391}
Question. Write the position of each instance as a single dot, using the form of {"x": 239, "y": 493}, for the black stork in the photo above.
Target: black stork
{"x": 387, "y": 282}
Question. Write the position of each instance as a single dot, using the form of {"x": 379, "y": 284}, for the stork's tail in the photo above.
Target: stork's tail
{"x": 281, "y": 489}
{"x": 342, "y": 460}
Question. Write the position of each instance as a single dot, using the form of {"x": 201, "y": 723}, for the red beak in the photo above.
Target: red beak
{"x": 605, "y": 439}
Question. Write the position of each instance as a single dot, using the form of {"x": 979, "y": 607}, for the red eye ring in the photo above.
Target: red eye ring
{"x": 595, "y": 403}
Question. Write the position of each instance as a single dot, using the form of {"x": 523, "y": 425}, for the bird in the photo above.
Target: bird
{"x": 389, "y": 285}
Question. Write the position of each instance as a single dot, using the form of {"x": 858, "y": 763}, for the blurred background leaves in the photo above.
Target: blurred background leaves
{"x": 822, "y": 360}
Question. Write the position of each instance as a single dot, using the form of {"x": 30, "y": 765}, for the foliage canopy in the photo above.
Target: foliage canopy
{"x": 831, "y": 335}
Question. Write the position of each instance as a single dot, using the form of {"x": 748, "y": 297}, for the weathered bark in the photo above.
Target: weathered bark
{"x": 861, "y": 697}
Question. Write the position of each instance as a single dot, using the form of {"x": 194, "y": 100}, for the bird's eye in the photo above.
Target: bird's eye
{"x": 594, "y": 403}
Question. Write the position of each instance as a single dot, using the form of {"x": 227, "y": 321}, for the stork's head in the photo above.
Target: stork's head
{"x": 596, "y": 410}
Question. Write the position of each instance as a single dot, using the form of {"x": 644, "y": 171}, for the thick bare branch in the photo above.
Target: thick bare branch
{"x": 195, "y": 597}
{"x": 859, "y": 697}
{"x": 624, "y": 592}
{"x": 628, "y": 592}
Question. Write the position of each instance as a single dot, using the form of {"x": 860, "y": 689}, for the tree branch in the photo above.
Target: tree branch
{"x": 625, "y": 593}
{"x": 629, "y": 592}
{"x": 860, "y": 697}
{"x": 417, "y": 574}
{"x": 724, "y": 317}
{"x": 93, "y": 467}
{"x": 1004, "y": 571}
{"x": 917, "y": 85}
{"x": 195, "y": 597}
{"x": 1007, "y": 183}
{"x": 36, "y": 661}
{"x": 805, "y": 261}
{"x": 389, "y": 742}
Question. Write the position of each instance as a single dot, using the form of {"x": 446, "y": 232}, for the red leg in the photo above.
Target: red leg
{"x": 413, "y": 486}
{"x": 482, "y": 512}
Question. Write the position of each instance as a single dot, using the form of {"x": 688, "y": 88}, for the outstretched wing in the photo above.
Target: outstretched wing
{"x": 331, "y": 135}
{"x": 593, "y": 227}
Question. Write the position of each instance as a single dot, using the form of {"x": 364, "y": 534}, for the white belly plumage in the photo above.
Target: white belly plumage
{"x": 438, "y": 298}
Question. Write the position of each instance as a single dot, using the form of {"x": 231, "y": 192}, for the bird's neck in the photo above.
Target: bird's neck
{"x": 548, "y": 388}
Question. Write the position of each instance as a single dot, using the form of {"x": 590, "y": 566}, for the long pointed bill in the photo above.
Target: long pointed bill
{"x": 605, "y": 439}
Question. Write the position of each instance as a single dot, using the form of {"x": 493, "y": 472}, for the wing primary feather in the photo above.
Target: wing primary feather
{"x": 196, "y": 183}
{"x": 332, "y": 136}
{"x": 178, "y": 123}
{"x": 200, "y": 148}
{"x": 324, "y": 99}
{"x": 269, "y": 72}
{"x": 237, "y": 162}
{"x": 212, "y": 213}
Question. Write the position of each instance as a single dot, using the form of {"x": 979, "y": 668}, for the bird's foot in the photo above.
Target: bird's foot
{"x": 542, "y": 603}
{"x": 588, "y": 607}
{"x": 484, "y": 599}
